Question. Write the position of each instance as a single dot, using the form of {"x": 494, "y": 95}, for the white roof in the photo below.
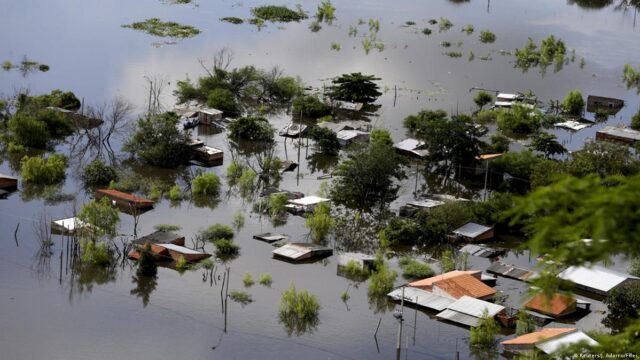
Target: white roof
{"x": 71, "y": 224}
{"x": 344, "y": 258}
{"x": 508, "y": 96}
{"x": 210, "y": 150}
{"x": 421, "y": 298}
{"x": 210, "y": 111}
{"x": 572, "y": 125}
{"x": 297, "y": 250}
{"x": 502, "y": 104}
{"x": 458, "y": 317}
{"x": 350, "y": 134}
{"x": 596, "y": 277}
{"x": 425, "y": 203}
{"x": 471, "y": 230}
{"x": 180, "y": 249}
{"x": 555, "y": 344}
{"x": 409, "y": 144}
{"x": 621, "y": 132}
{"x": 474, "y": 307}
{"x": 308, "y": 200}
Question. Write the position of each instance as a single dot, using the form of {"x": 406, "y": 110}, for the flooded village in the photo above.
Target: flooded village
{"x": 323, "y": 180}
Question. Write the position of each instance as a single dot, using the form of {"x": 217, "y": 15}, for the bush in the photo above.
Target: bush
{"x": 623, "y": 302}
{"x": 43, "y": 171}
{"x": 381, "y": 281}
{"x": 399, "y": 231}
{"x": 95, "y": 253}
{"x": 182, "y": 264}
{"x": 635, "y": 267}
{"x": 206, "y": 184}
{"x": 97, "y": 173}
{"x": 217, "y": 232}
{"x": 482, "y": 98}
{"x": 265, "y": 279}
{"x": 241, "y": 297}
{"x": 499, "y": 144}
{"x": 484, "y": 334}
{"x": 175, "y": 193}
{"x": 631, "y": 77}
{"x": 226, "y": 247}
{"x": 414, "y": 270}
{"x": 320, "y": 222}
{"x": 487, "y": 37}
{"x": 524, "y": 324}
{"x": 298, "y": 310}
{"x": 158, "y": 141}
{"x": 167, "y": 227}
{"x": 26, "y": 130}
{"x": 251, "y": 128}
{"x": 519, "y": 120}
{"x": 310, "y": 106}
{"x": 223, "y": 99}
{"x": 232, "y": 19}
{"x": 146, "y": 263}
{"x": 247, "y": 280}
{"x": 101, "y": 215}
{"x": 277, "y": 203}
{"x": 326, "y": 139}
{"x": 278, "y": 13}
{"x": 573, "y": 103}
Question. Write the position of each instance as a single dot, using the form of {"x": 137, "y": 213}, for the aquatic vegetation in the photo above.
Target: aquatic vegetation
{"x": 265, "y": 280}
{"x": 320, "y": 222}
{"x": 102, "y": 216}
{"x": 445, "y": 24}
{"x": 217, "y": 232}
{"x": 426, "y": 31}
{"x": 25, "y": 66}
{"x": 454, "y": 54}
{"x": 432, "y": 21}
{"x": 167, "y": 227}
{"x": 241, "y": 297}
{"x": 353, "y": 31}
{"x": 259, "y": 23}
{"x": 487, "y": 37}
{"x": 484, "y": 334}
{"x": 158, "y": 141}
{"x": 238, "y": 220}
{"x": 175, "y": 193}
{"x": 631, "y": 77}
{"x": 38, "y": 128}
{"x": 326, "y": 139}
{"x": 206, "y": 184}
{"x": 226, "y": 247}
{"x": 519, "y": 120}
{"x": 247, "y": 280}
{"x": 409, "y": 23}
{"x": 468, "y": 29}
{"x": 315, "y": 26}
{"x": 97, "y": 173}
{"x": 582, "y": 63}
{"x": 95, "y": 253}
{"x": 298, "y": 311}
{"x": 573, "y": 103}
{"x": 310, "y": 106}
{"x": 472, "y": 56}
{"x": 551, "y": 50}
{"x": 247, "y": 182}
{"x": 277, "y": 205}
{"x": 335, "y": 46}
{"x": 275, "y": 13}
{"x": 157, "y": 27}
{"x": 44, "y": 171}
{"x": 374, "y": 25}
{"x": 326, "y": 12}
{"x": 413, "y": 269}
{"x": 367, "y": 45}
{"x": 353, "y": 270}
{"x": 181, "y": 264}
{"x": 482, "y": 98}
{"x": 445, "y": 44}
{"x": 232, "y": 20}
{"x": 381, "y": 281}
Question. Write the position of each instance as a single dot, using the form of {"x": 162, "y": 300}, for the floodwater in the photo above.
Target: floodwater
{"x": 48, "y": 313}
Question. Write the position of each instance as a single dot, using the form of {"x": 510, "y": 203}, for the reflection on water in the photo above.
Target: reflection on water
{"x": 144, "y": 286}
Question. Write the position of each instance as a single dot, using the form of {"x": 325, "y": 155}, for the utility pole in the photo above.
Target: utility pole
{"x": 486, "y": 177}
{"x": 401, "y": 319}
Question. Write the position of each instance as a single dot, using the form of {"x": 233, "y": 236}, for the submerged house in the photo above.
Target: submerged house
{"x": 293, "y": 130}
{"x": 558, "y": 305}
{"x": 171, "y": 252}
{"x": 364, "y": 261}
{"x": 125, "y": 201}
{"x": 469, "y": 311}
{"x": 456, "y": 284}
{"x": 208, "y": 155}
{"x": 422, "y": 298}
{"x": 305, "y": 204}
{"x": 619, "y": 134}
{"x": 511, "y": 271}
{"x": 597, "y": 279}
{"x": 610, "y": 105}
{"x": 349, "y": 132}
{"x": 298, "y": 252}
{"x": 70, "y": 226}
{"x": 411, "y": 147}
{"x": 8, "y": 183}
{"x": 547, "y": 340}
{"x": 160, "y": 237}
{"x": 472, "y": 232}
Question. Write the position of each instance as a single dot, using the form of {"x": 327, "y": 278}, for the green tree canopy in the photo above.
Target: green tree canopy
{"x": 158, "y": 141}
{"x": 251, "y": 128}
{"x": 573, "y": 103}
{"x": 355, "y": 87}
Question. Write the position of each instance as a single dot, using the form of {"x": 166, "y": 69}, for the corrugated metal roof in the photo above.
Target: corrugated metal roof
{"x": 344, "y": 258}
{"x": 297, "y": 250}
{"x": 421, "y": 298}
{"x": 180, "y": 249}
{"x": 71, "y": 224}
{"x": 458, "y": 317}
{"x": 474, "y": 307}
{"x": 471, "y": 230}
{"x": 409, "y": 144}
{"x": 596, "y": 277}
{"x": 464, "y": 285}
{"x": 553, "y": 345}
{"x": 538, "y": 336}
{"x": 425, "y": 203}
{"x": 308, "y": 200}
{"x": 572, "y": 125}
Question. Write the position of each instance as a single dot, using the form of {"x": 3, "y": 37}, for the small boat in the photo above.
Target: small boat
{"x": 293, "y": 130}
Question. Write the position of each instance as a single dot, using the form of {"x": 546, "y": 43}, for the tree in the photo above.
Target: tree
{"x": 547, "y": 144}
{"x": 298, "y": 310}
{"x": 519, "y": 120}
{"x": 43, "y": 171}
{"x": 381, "y": 137}
{"x": 499, "y": 144}
{"x": 320, "y": 222}
{"x": 603, "y": 158}
{"x": 207, "y": 184}
{"x": 251, "y": 128}
{"x": 37, "y": 128}
{"x": 635, "y": 267}
{"x": 217, "y": 232}
{"x": 623, "y": 302}
{"x": 223, "y": 99}
{"x": 158, "y": 141}
{"x": 482, "y": 98}
{"x": 97, "y": 173}
{"x": 355, "y": 87}
{"x": 635, "y": 121}
{"x": 524, "y": 324}
{"x": 367, "y": 179}
{"x": 483, "y": 335}
{"x": 573, "y": 103}
{"x": 326, "y": 139}
{"x": 102, "y": 217}
{"x": 310, "y": 106}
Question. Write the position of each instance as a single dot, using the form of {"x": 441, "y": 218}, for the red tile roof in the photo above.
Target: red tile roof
{"x": 538, "y": 336}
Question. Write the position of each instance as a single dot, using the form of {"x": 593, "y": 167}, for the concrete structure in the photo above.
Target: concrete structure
{"x": 8, "y": 183}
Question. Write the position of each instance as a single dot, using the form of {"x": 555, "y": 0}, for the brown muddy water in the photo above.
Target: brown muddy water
{"x": 50, "y": 313}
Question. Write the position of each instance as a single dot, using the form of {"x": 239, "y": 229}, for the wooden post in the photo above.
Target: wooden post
{"x": 395, "y": 94}
{"x": 398, "y": 346}
{"x": 415, "y": 322}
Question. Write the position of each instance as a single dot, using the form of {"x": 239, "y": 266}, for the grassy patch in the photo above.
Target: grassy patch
{"x": 247, "y": 280}
{"x": 445, "y": 44}
{"x": 445, "y": 24}
{"x": 468, "y": 29}
{"x": 335, "y": 46}
{"x": 426, "y": 31}
{"x": 487, "y": 37}
{"x": 265, "y": 280}
{"x": 232, "y": 19}
{"x": 157, "y": 27}
{"x": 453, "y": 54}
{"x": 275, "y": 13}
{"x": 241, "y": 297}
{"x": 413, "y": 269}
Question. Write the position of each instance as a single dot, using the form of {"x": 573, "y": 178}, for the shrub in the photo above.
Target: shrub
{"x": 381, "y": 281}
{"x": 26, "y": 130}
{"x": 238, "y": 220}
{"x": 468, "y": 29}
{"x": 484, "y": 334}
{"x": 573, "y": 103}
{"x": 345, "y": 296}
{"x": 217, "y": 232}
{"x": 518, "y": 120}
{"x": 399, "y": 231}
{"x": 222, "y": 99}
{"x": 265, "y": 279}
{"x": 631, "y": 76}
{"x": 413, "y": 269}
{"x": 247, "y": 182}
{"x": 482, "y": 98}
{"x": 278, "y": 13}
{"x": 226, "y": 247}
{"x": 232, "y": 19}
{"x": 234, "y": 171}
{"x": 182, "y": 264}
{"x": 157, "y": 27}
{"x": 524, "y": 324}
{"x": 101, "y": 215}
{"x": 353, "y": 270}
{"x": 241, "y": 297}
{"x": 175, "y": 193}
{"x": 206, "y": 184}
{"x": 326, "y": 12}
{"x": 445, "y": 24}
{"x": 251, "y": 128}
{"x": 45, "y": 171}
{"x": 277, "y": 204}
{"x": 623, "y": 302}
{"x": 320, "y": 222}
{"x": 487, "y": 37}
{"x": 95, "y": 253}
{"x": 326, "y": 139}
{"x": 298, "y": 310}
{"x": 247, "y": 280}
{"x": 167, "y": 227}
{"x": 97, "y": 173}
{"x": 146, "y": 263}
{"x": 310, "y": 106}
{"x": 426, "y": 31}
{"x": 158, "y": 141}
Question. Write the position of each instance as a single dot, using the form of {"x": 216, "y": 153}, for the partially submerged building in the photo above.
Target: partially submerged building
{"x": 293, "y": 130}
{"x": 618, "y": 134}
{"x": 610, "y": 105}
{"x": 456, "y": 284}
{"x": 472, "y": 232}
{"x": 70, "y": 226}
{"x": 124, "y": 201}
{"x": 596, "y": 279}
{"x": 481, "y": 251}
{"x": 364, "y": 261}
{"x": 8, "y": 183}
{"x": 422, "y": 298}
{"x": 511, "y": 271}
{"x": 298, "y": 252}
{"x": 208, "y": 155}
{"x": 411, "y": 147}
{"x": 270, "y": 237}
{"x": 555, "y": 306}
{"x": 547, "y": 340}
{"x": 305, "y": 204}
{"x": 160, "y": 237}
{"x": 469, "y": 311}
